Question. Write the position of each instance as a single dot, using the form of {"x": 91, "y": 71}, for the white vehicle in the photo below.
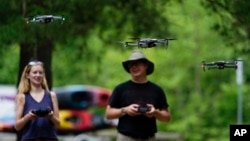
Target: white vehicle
{"x": 7, "y": 110}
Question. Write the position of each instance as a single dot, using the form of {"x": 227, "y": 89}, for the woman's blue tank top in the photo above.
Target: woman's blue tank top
{"x": 41, "y": 127}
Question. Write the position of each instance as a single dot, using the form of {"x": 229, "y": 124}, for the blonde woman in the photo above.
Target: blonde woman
{"x": 33, "y": 94}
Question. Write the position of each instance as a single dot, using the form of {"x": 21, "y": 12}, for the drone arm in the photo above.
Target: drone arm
{"x": 219, "y": 66}
{"x": 231, "y": 66}
{"x": 215, "y": 67}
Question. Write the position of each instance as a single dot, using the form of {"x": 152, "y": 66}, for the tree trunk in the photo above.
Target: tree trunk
{"x": 44, "y": 54}
{"x": 41, "y": 52}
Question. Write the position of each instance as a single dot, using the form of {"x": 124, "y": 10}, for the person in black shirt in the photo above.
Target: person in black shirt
{"x": 138, "y": 102}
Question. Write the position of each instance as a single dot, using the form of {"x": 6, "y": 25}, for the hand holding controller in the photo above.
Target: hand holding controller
{"x": 143, "y": 109}
{"x": 41, "y": 112}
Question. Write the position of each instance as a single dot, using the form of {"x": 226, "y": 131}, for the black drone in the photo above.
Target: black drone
{"x": 219, "y": 65}
{"x": 146, "y": 42}
{"x": 44, "y": 19}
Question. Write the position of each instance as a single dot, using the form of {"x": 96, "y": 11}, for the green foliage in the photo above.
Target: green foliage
{"x": 9, "y": 65}
{"x": 233, "y": 21}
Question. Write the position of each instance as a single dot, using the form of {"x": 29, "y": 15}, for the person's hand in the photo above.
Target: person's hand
{"x": 29, "y": 116}
{"x": 132, "y": 110}
{"x": 50, "y": 114}
{"x": 152, "y": 111}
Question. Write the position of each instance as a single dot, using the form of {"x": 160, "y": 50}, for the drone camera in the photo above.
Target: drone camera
{"x": 48, "y": 20}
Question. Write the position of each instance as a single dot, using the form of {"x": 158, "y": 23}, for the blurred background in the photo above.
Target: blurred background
{"x": 83, "y": 50}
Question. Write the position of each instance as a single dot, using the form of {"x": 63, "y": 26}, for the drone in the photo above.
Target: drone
{"x": 220, "y": 65}
{"x": 44, "y": 19}
{"x": 146, "y": 42}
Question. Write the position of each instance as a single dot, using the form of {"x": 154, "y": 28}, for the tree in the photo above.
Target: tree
{"x": 81, "y": 16}
{"x": 38, "y": 40}
{"x": 233, "y": 23}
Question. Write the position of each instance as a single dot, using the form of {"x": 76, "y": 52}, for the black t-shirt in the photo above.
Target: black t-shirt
{"x": 133, "y": 93}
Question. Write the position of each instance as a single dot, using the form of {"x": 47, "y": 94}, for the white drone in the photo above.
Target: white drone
{"x": 44, "y": 19}
{"x": 146, "y": 42}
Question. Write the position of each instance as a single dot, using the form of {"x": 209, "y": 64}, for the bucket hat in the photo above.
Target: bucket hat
{"x": 136, "y": 56}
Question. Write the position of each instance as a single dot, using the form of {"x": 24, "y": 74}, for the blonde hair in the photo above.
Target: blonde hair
{"x": 24, "y": 84}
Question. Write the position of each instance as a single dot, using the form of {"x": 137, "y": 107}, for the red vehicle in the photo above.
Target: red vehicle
{"x": 82, "y": 108}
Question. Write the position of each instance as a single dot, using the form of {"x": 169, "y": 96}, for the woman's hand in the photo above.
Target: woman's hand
{"x": 29, "y": 116}
{"x": 50, "y": 114}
